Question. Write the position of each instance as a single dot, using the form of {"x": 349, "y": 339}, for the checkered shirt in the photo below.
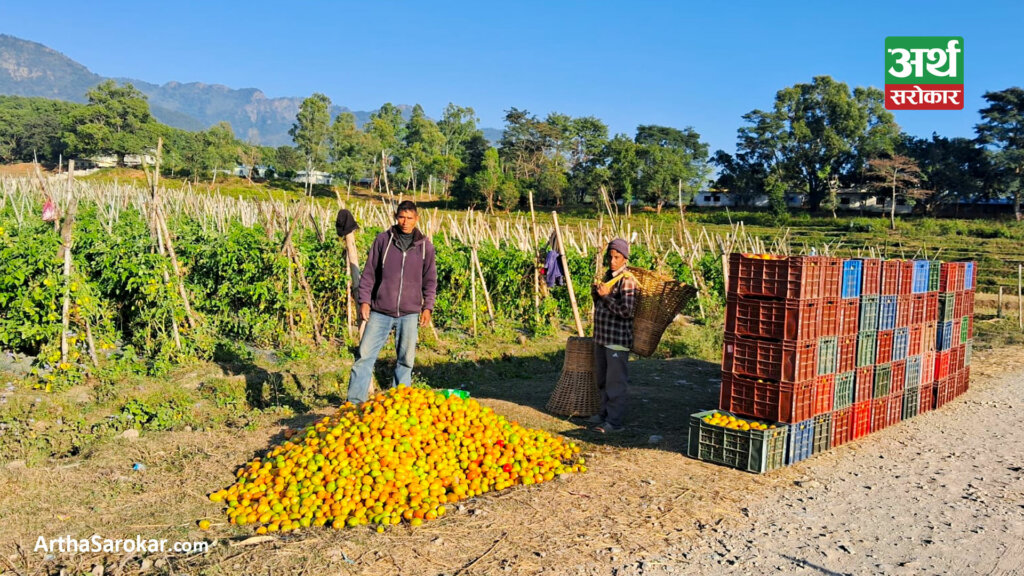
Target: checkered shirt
{"x": 613, "y": 314}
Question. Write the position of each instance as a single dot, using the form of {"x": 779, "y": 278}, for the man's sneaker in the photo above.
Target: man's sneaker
{"x": 595, "y": 419}
{"x": 608, "y": 428}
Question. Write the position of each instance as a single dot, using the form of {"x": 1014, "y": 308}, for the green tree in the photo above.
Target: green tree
{"x": 952, "y": 167}
{"x": 424, "y": 147}
{"x": 819, "y": 131}
{"x": 116, "y": 121}
{"x": 219, "y": 148}
{"x": 1002, "y": 129}
{"x": 624, "y": 171}
{"x": 895, "y": 175}
{"x": 287, "y": 161}
{"x": 310, "y": 133}
{"x": 489, "y": 179}
{"x": 352, "y": 150}
{"x": 674, "y": 164}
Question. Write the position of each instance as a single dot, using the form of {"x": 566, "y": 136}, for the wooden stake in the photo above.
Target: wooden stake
{"x": 999, "y": 304}
{"x": 1020, "y": 302}
{"x": 472, "y": 292}
{"x": 568, "y": 277}
{"x": 483, "y": 283}
{"x": 65, "y": 255}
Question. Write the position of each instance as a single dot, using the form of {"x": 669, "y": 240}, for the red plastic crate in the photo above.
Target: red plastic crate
{"x": 927, "y": 398}
{"x": 956, "y": 358}
{"x": 879, "y": 413}
{"x": 785, "y": 361}
{"x": 795, "y": 277}
{"x": 931, "y": 307}
{"x": 915, "y": 343}
{"x": 773, "y": 319}
{"x": 928, "y": 336}
{"x": 767, "y": 400}
{"x": 842, "y": 427}
{"x": 904, "y": 310}
{"x": 871, "y": 276}
{"x": 824, "y": 394}
{"x": 944, "y": 391}
{"x": 829, "y": 317}
{"x": 906, "y": 276}
{"x": 950, "y": 277}
{"x": 959, "y": 305}
{"x": 970, "y": 303}
{"x": 831, "y": 277}
{"x": 883, "y": 347}
{"x": 927, "y": 369}
{"x": 864, "y": 384}
{"x": 942, "y": 364}
{"x": 847, "y": 346}
{"x": 956, "y": 331}
{"x": 891, "y": 277}
{"x": 970, "y": 327}
{"x": 894, "y": 412}
{"x": 849, "y": 315}
{"x": 860, "y": 419}
{"x": 965, "y": 383}
{"x": 919, "y": 308}
{"x": 899, "y": 377}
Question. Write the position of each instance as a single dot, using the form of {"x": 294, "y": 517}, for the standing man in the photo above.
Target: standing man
{"x": 614, "y": 307}
{"x": 396, "y": 291}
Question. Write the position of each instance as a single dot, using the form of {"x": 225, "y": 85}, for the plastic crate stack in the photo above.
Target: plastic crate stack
{"x": 955, "y": 332}
{"x": 829, "y": 350}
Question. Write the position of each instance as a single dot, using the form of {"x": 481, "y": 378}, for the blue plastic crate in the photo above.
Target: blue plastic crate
{"x": 912, "y": 378}
{"x": 852, "y": 277}
{"x": 969, "y": 276}
{"x": 900, "y": 343}
{"x": 944, "y": 336}
{"x": 800, "y": 441}
{"x": 887, "y": 313}
{"x": 920, "y": 278}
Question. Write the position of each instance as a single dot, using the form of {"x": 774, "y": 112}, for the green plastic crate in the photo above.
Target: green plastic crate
{"x": 883, "y": 380}
{"x": 828, "y": 355}
{"x": 964, "y": 329}
{"x": 911, "y": 402}
{"x": 866, "y": 342}
{"x": 822, "y": 433}
{"x": 755, "y": 451}
{"x": 843, "y": 396}
{"x": 869, "y": 313}
{"x": 947, "y": 301}
{"x": 933, "y": 275}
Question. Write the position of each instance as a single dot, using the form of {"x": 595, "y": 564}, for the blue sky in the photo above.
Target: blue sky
{"x": 642, "y": 62}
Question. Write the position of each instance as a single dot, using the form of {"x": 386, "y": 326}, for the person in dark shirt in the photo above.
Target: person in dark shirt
{"x": 396, "y": 292}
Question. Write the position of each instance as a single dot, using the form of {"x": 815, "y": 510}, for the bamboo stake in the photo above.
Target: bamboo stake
{"x": 999, "y": 305}
{"x": 472, "y": 292}
{"x": 1020, "y": 302}
{"x": 536, "y": 272}
{"x": 568, "y": 277}
{"x": 307, "y": 292}
{"x": 483, "y": 283}
{"x": 65, "y": 254}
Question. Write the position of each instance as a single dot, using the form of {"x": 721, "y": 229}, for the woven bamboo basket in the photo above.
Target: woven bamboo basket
{"x": 576, "y": 393}
{"x": 661, "y": 298}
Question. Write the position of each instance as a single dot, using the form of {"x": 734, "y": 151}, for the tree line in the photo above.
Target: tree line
{"x": 817, "y": 139}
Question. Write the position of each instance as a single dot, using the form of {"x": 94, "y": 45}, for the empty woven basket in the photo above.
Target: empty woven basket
{"x": 576, "y": 393}
{"x": 661, "y": 298}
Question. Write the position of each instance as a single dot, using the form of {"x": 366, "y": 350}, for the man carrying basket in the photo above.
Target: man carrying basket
{"x": 614, "y": 306}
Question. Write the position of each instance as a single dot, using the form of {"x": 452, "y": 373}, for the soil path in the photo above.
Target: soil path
{"x": 942, "y": 493}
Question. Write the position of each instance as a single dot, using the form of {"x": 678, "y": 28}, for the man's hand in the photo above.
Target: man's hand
{"x": 425, "y": 318}
{"x": 364, "y": 311}
{"x": 603, "y": 290}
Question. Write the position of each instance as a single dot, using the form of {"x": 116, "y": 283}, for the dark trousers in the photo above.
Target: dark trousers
{"x": 612, "y": 377}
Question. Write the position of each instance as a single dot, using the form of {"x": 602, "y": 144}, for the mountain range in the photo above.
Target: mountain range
{"x": 31, "y": 69}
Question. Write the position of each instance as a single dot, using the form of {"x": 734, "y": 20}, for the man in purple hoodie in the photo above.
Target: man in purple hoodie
{"x": 396, "y": 291}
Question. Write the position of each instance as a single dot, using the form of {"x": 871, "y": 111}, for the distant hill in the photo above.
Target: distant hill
{"x": 32, "y": 69}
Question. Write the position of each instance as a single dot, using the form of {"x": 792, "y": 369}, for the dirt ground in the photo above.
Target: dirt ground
{"x": 940, "y": 494}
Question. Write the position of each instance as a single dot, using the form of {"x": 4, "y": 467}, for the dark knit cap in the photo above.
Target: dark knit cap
{"x": 346, "y": 223}
{"x": 620, "y": 246}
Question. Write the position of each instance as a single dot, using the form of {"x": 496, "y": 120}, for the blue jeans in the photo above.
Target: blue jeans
{"x": 378, "y": 327}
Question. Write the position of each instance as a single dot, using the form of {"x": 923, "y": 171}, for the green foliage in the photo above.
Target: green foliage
{"x": 115, "y": 121}
{"x": 165, "y": 411}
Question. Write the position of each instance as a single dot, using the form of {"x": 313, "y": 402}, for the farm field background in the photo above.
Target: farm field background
{"x": 642, "y": 506}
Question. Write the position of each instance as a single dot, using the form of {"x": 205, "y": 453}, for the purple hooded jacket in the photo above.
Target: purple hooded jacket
{"x": 397, "y": 283}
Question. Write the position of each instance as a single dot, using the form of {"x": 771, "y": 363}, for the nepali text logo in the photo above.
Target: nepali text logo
{"x": 924, "y": 73}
